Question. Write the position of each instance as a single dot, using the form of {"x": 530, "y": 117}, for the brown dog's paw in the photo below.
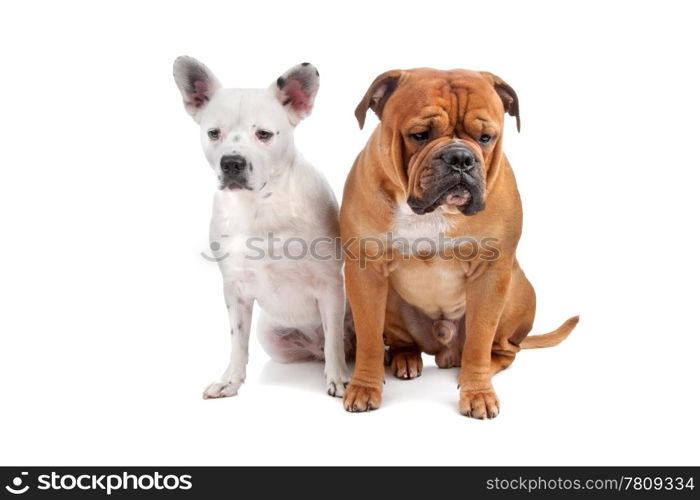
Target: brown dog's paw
{"x": 479, "y": 404}
{"x": 448, "y": 358}
{"x": 358, "y": 398}
{"x": 406, "y": 364}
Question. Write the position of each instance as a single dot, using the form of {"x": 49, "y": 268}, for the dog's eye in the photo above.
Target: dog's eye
{"x": 214, "y": 134}
{"x": 420, "y": 136}
{"x": 485, "y": 138}
{"x": 263, "y": 135}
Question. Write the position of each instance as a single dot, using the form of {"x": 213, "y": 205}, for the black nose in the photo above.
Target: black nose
{"x": 460, "y": 158}
{"x": 233, "y": 164}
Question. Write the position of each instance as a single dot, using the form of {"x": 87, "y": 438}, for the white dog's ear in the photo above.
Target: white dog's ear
{"x": 296, "y": 90}
{"x": 196, "y": 82}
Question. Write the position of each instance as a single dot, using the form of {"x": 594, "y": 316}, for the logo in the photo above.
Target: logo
{"x": 215, "y": 248}
{"x": 17, "y": 483}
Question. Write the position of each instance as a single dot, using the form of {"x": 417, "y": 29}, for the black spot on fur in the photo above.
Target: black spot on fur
{"x": 317, "y": 73}
{"x": 239, "y": 326}
{"x": 280, "y": 82}
{"x": 304, "y": 64}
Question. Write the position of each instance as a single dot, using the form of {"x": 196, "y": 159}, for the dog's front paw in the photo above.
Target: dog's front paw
{"x": 335, "y": 387}
{"x": 479, "y": 404}
{"x": 219, "y": 390}
{"x": 359, "y": 398}
{"x": 337, "y": 379}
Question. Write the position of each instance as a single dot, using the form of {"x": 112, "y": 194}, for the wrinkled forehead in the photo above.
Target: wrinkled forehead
{"x": 230, "y": 107}
{"x": 453, "y": 96}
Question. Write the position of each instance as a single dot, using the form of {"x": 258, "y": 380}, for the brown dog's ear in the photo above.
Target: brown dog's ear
{"x": 507, "y": 95}
{"x": 377, "y": 94}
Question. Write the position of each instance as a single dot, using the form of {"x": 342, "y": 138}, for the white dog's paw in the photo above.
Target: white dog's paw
{"x": 335, "y": 386}
{"x": 221, "y": 390}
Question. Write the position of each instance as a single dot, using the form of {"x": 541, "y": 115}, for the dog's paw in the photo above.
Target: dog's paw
{"x": 448, "y": 358}
{"x": 219, "y": 390}
{"x": 479, "y": 404}
{"x": 358, "y": 398}
{"x": 335, "y": 387}
{"x": 406, "y": 364}
{"x": 337, "y": 379}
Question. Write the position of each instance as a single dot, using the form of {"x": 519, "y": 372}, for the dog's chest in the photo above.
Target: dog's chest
{"x": 411, "y": 227}
{"x": 262, "y": 248}
{"x": 420, "y": 273}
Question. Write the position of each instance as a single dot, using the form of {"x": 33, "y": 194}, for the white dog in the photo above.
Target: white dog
{"x": 274, "y": 224}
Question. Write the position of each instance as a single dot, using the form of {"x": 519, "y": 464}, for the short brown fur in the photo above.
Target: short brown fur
{"x": 398, "y": 300}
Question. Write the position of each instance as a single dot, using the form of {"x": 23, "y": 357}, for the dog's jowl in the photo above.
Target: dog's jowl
{"x": 274, "y": 222}
{"x": 435, "y": 188}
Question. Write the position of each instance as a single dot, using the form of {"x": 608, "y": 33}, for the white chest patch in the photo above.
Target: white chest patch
{"x": 410, "y": 226}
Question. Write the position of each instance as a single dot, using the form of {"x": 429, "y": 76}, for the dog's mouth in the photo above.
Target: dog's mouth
{"x": 459, "y": 196}
{"x": 452, "y": 183}
{"x": 233, "y": 185}
{"x": 465, "y": 196}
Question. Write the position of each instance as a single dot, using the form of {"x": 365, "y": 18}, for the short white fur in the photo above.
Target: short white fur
{"x": 302, "y": 300}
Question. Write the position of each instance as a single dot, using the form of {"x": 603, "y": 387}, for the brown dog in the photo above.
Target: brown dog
{"x": 431, "y": 217}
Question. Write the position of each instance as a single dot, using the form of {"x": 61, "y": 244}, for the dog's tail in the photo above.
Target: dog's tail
{"x": 552, "y": 338}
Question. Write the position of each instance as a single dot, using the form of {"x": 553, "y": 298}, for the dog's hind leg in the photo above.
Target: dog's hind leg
{"x": 287, "y": 345}
{"x": 349, "y": 339}
{"x": 406, "y": 362}
{"x": 240, "y": 311}
{"x": 401, "y": 321}
{"x": 515, "y": 322}
{"x": 450, "y": 355}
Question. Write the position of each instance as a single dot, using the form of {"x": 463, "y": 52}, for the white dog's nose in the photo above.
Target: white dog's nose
{"x": 233, "y": 164}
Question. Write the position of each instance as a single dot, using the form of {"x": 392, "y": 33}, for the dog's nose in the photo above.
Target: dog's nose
{"x": 459, "y": 158}
{"x": 233, "y": 164}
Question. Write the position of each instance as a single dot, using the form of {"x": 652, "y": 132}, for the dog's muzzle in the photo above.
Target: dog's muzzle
{"x": 234, "y": 172}
{"x": 458, "y": 182}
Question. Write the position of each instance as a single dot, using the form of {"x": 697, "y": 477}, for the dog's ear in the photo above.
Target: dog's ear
{"x": 507, "y": 95}
{"x": 377, "y": 94}
{"x": 196, "y": 82}
{"x": 296, "y": 90}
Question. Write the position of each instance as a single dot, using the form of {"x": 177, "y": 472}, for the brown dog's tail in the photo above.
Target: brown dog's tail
{"x": 552, "y": 338}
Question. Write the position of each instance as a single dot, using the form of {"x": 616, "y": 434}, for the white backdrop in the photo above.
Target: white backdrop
{"x": 111, "y": 322}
